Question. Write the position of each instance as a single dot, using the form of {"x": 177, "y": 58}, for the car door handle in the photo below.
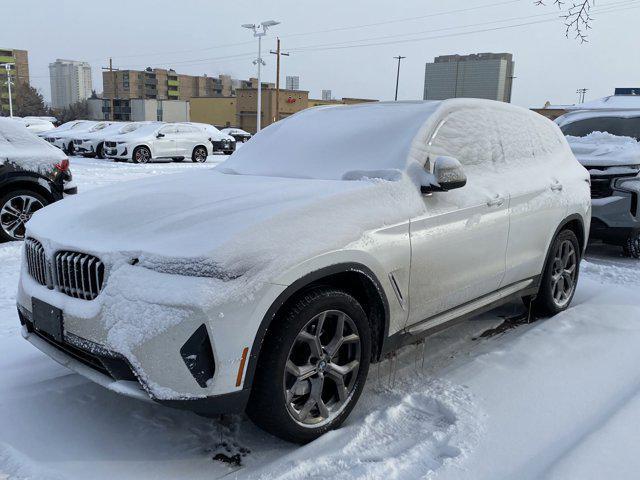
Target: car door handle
{"x": 497, "y": 201}
{"x": 556, "y": 187}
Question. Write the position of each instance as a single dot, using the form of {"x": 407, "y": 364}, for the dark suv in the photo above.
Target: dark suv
{"x": 605, "y": 142}
{"x": 33, "y": 174}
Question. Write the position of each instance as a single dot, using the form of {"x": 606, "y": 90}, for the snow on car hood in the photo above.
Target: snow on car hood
{"x": 21, "y": 147}
{"x": 601, "y": 149}
{"x": 238, "y": 223}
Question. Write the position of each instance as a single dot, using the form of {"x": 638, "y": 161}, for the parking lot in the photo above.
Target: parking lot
{"x": 443, "y": 409}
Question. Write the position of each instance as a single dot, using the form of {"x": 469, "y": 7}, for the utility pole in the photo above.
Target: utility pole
{"x": 113, "y": 85}
{"x": 581, "y": 93}
{"x": 8, "y": 69}
{"x": 257, "y": 32}
{"x": 399, "y": 57}
{"x": 277, "y": 53}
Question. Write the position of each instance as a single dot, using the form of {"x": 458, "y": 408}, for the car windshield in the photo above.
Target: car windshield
{"x": 619, "y": 126}
{"x": 98, "y": 127}
{"x": 329, "y": 142}
{"x": 130, "y": 128}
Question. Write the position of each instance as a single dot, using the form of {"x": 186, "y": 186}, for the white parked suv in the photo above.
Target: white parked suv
{"x": 62, "y": 137}
{"x": 337, "y": 235}
{"x": 91, "y": 144}
{"x": 175, "y": 141}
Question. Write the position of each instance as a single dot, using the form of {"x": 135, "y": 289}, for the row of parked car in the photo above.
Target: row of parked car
{"x": 142, "y": 142}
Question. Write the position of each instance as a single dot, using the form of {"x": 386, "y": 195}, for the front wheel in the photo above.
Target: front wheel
{"x": 199, "y": 155}
{"x": 16, "y": 208}
{"x": 100, "y": 151}
{"x": 313, "y": 366}
{"x": 632, "y": 247}
{"x": 141, "y": 155}
{"x": 560, "y": 276}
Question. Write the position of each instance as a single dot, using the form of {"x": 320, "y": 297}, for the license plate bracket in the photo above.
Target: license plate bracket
{"x": 47, "y": 319}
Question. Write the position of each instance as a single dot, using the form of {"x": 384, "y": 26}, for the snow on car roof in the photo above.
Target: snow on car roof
{"x": 19, "y": 144}
{"x": 328, "y": 142}
{"x": 576, "y": 115}
{"x": 604, "y": 149}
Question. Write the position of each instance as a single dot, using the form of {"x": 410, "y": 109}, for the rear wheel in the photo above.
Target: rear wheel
{"x": 141, "y": 155}
{"x": 313, "y": 366}
{"x": 199, "y": 154}
{"x": 632, "y": 247}
{"x": 560, "y": 276}
{"x": 16, "y": 208}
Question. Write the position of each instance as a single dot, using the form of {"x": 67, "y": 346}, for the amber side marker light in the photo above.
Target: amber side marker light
{"x": 243, "y": 360}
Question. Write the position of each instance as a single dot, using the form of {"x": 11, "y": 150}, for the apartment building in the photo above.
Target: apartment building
{"x": 70, "y": 82}
{"x": 480, "y": 75}
{"x": 162, "y": 84}
{"x": 18, "y": 61}
{"x": 139, "y": 110}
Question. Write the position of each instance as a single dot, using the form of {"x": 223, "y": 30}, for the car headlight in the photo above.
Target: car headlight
{"x": 188, "y": 267}
{"x": 631, "y": 184}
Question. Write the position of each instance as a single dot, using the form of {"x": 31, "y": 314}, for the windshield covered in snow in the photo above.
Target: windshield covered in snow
{"x": 329, "y": 142}
{"x": 618, "y": 126}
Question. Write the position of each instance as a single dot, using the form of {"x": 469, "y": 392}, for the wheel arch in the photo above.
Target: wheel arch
{"x": 27, "y": 182}
{"x": 143, "y": 144}
{"x": 354, "y": 278}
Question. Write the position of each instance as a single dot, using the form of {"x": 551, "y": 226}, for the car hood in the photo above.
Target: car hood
{"x": 237, "y": 221}
{"x": 604, "y": 150}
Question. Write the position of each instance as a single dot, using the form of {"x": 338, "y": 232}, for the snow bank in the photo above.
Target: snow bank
{"x": 605, "y": 149}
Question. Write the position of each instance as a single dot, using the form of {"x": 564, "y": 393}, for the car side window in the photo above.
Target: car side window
{"x": 468, "y": 135}
{"x": 515, "y": 129}
{"x": 168, "y": 129}
{"x": 545, "y": 135}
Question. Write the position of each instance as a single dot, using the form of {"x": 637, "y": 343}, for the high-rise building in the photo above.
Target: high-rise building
{"x": 70, "y": 82}
{"x": 18, "y": 61}
{"x": 480, "y": 75}
{"x": 293, "y": 82}
{"x": 326, "y": 95}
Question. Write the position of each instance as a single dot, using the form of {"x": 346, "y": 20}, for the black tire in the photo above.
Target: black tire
{"x": 141, "y": 155}
{"x": 70, "y": 148}
{"x": 7, "y": 218}
{"x": 177, "y": 159}
{"x": 268, "y": 406}
{"x": 228, "y": 152}
{"x": 199, "y": 154}
{"x": 632, "y": 247}
{"x": 550, "y": 300}
{"x": 100, "y": 151}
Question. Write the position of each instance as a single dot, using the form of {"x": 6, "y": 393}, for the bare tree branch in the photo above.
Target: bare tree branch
{"x": 577, "y": 18}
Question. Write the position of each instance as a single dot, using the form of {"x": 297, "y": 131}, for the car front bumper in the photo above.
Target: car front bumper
{"x": 119, "y": 152}
{"x": 617, "y": 216}
{"x": 134, "y": 345}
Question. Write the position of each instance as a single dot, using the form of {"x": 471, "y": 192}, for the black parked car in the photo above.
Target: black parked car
{"x": 33, "y": 174}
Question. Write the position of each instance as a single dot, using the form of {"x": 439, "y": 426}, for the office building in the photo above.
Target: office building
{"x": 18, "y": 61}
{"x": 70, "y": 82}
{"x": 326, "y": 95}
{"x": 293, "y": 82}
{"x": 481, "y": 75}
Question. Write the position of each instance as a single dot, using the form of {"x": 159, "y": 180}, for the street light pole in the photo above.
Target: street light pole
{"x": 260, "y": 32}
{"x": 6, "y": 67}
{"x": 399, "y": 57}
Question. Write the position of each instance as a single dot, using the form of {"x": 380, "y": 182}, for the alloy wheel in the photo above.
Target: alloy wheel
{"x": 322, "y": 368}
{"x": 200, "y": 155}
{"x": 16, "y": 212}
{"x": 564, "y": 272}
{"x": 143, "y": 155}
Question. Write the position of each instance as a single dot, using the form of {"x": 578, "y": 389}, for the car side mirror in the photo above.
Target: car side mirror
{"x": 448, "y": 174}
{"x": 160, "y": 135}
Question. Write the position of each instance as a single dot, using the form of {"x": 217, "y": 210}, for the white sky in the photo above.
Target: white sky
{"x": 192, "y": 35}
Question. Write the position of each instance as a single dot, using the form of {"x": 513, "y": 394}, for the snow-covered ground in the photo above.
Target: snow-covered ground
{"x": 558, "y": 398}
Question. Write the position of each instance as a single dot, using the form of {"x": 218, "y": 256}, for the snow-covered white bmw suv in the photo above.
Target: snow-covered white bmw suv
{"x": 175, "y": 141}
{"x": 271, "y": 282}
